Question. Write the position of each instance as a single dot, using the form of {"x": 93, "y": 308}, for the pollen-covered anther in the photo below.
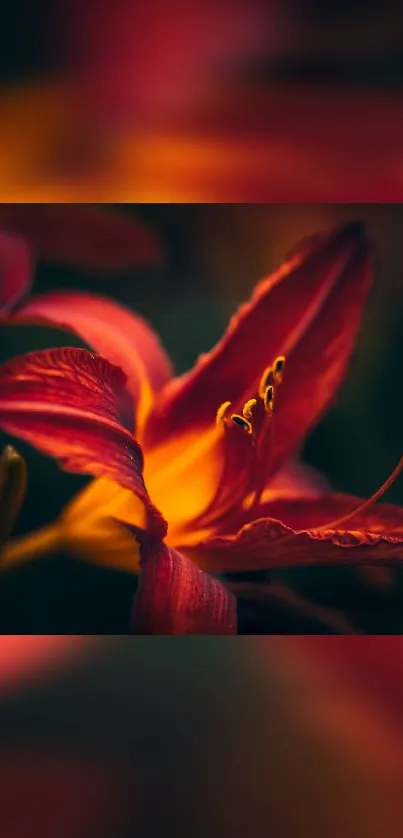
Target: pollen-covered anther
{"x": 242, "y": 422}
{"x": 269, "y": 399}
{"x": 221, "y": 415}
{"x": 266, "y": 381}
{"x": 247, "y": 409}
{"x": 278, "y": 369}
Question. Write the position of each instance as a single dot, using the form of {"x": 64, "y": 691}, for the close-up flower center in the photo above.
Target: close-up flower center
{"x": 207, "y": 474}
{"x": 271, "y": 378}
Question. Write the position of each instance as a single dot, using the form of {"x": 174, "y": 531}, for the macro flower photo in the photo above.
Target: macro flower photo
{"x": 189, "y": 383}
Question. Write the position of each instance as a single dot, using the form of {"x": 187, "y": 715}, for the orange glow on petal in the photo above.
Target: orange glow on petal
{"x": 91, "y": 529}
{"x": 182, "y": 476}
{"x": 104, "y": 497}
{"x": 106, "y": 543}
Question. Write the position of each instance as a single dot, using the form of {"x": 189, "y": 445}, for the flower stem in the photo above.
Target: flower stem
{"x": 33, "y": 546}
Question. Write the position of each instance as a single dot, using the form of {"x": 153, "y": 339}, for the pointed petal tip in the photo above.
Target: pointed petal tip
{"x": 350, "y": 234}
{"x": 320, "y": 289}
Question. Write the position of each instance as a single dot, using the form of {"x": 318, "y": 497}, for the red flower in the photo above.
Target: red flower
{"x": 217, "y": 442}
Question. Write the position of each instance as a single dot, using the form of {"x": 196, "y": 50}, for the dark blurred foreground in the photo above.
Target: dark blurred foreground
{"x": 287, "y": 737}
{"x": 214, "y": 101}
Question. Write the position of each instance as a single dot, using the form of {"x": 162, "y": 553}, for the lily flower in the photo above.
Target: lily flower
{"x": 196, "y": 477}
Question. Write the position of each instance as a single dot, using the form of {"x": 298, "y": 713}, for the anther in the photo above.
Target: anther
{"x": 266, "y": 381}
{"x": 247, "y": 409}
{"x": 221, "y": 412}
{"x": 242, "y": 422}
{"x": 278, "y": 369}
{"x": 269, "y": 399}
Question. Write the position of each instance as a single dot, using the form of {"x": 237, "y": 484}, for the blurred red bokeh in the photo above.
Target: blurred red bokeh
{"x": 203, "y": 102}
{"x": 24, "y": 656}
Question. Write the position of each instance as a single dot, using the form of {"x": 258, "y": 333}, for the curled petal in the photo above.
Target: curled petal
{"x": 309, "y": 513}
{"x": 295, "y": 480}
{"x": 82, "y": 236}
{"x": 15, "y": 269}
{"x": 308, "y": 310}
{"x": 269, "y": 544}
{"x": 109, "y": 328}
{"x": 175, "y": 597}
{"x": 66, "y": 403}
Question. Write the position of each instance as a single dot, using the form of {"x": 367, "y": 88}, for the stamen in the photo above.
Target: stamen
{"x": 368, "y": 503}
{"x": 269, "y": 399}
{"x": 248, "y": 407}
{"x": 242, "y": 422}
{"x": 272, "y": 375}
{"x": 266, "y": 380}
{"x": 221, "y": 413}
{"x": 278, "y": 369}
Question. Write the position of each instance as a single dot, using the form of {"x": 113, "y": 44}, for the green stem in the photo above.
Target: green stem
{"x": 33, "y": 546}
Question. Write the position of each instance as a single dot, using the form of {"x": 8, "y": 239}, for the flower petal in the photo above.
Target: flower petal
{"x": 317, "y": 363}
{"x": 15, "y": 269}
{"x": 65, "y": 402}
{"x": 296, "y": 479}
{"x": 373, "y": 537}
{"x": 112, "y": 330}
{"x": 310, "y": 513}
{"x": 175, "y": 597}
{"x": 308, "y": 310}
{"x": 83, "y": 236}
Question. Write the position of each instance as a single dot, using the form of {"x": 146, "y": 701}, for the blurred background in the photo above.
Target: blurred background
{"x": 292, "y": 737}
{"x": 191, "y": 267}
{"x": 213, "y": 101}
